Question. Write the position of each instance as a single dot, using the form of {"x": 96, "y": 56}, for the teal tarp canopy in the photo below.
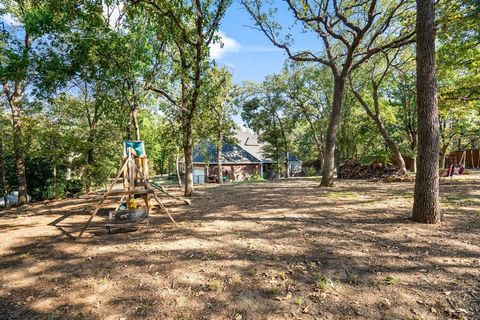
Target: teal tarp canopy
{"x": 137, "y": 146}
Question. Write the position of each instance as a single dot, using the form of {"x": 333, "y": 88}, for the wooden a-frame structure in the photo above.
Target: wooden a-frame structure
{"x": 134, "y": 171}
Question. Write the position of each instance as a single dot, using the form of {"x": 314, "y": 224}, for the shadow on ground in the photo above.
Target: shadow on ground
{"x": 280, "y": 250}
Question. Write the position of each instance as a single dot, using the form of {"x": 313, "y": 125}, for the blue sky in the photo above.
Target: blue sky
{"x": 247, "y": 52}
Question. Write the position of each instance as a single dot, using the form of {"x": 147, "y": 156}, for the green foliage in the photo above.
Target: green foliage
{"x": 93, "y": 76}
{"x": 255, "y": 177}
{"x": 311, "y": 172}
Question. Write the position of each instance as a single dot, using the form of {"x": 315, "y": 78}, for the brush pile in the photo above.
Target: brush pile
{"x": 354, "y": 170}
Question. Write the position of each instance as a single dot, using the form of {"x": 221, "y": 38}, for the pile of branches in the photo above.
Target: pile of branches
{"x": 355, "y": 170}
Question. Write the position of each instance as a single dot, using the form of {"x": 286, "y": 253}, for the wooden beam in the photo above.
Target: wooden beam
{"x": 127, "y": 193}
{"x": 150, "y": 188}
{"x": 91, "y": 217}
{"x": 164, "y": 209}
{"x": 119, "y": 173}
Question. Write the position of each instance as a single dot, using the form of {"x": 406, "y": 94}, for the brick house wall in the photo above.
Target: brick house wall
{"x": 236, "y": 172}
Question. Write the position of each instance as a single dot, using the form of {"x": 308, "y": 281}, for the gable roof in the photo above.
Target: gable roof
{"x": 248, "y": 140}
{"x": 231, "y": 153}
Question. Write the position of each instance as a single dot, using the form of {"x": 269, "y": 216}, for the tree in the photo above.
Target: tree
{"x": 426, "y": 205}
{"x": 13, "y": 76}
{"x": 191, "y": 28}
{"x": 34, "y": 20}
{"x": 376, "y": 80}
{"x": 350, "y": 32}
{"x": 401, "y": 93}
{"x": 264, "y": 110}
{"x": 217, "y": 111}
{"x": 458, "y": 71}
{"x": 308, "y": 91}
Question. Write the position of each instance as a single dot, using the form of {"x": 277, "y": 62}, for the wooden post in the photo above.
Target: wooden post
{"x": 163, "y": 208}
{"x": 101, "y": 201}
{"x": 156, "y": 199}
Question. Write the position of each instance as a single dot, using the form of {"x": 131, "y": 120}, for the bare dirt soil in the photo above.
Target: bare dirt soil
{"x": 270, "y": 250}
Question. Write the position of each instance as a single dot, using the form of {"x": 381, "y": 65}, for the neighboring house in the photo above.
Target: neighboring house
{"x": 237, "y": 163}
{"x": 248, "y": 140}
{"x": 239, "y": 160}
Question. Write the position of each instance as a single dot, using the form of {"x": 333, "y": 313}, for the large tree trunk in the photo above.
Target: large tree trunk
{"x": 426, "y": 206}
{"x": 329, "y": 156}
{"x": 219, "y": 157}
{"x": 188, "y": 153}
{"x": 19, "y": 154}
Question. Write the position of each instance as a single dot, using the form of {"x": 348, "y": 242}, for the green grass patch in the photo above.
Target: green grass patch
{"x": 391, "y": 281}
{"x": 324, "y": 283}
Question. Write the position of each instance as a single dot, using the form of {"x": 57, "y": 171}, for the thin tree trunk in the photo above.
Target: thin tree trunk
{"x": 188, "y": 153}
{"x": 375, "y": 116}
{"x": 399, "y": 161}
{"x": 19, "y": 151}
{"x": 219, "y": 157}
{"x": 54, "y": 173}
{"x": 413, "y": 148}
{"x": 329, "y": 156}
{"x": 15, "y": 99}
{"x": 443, "y": 155}
{"x": 90, "y": 155}
{"x": 177, "y": 170}
{"x": 68, "y": 175}
{"x": 318, "y": 143}
{"x": 282, "y": 130}
{"x": 277, "y": 169}
{"x": 426, "y": 205}
{"x": 2, "y": 169}
{"x": 133, "y": 114}
{"x": 287, "y": 166}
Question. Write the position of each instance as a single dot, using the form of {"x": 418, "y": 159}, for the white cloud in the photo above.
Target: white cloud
{"x": 223, "y": 46}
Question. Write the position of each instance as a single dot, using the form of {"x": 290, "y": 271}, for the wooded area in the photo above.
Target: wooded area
{"x": 364, "y": 176}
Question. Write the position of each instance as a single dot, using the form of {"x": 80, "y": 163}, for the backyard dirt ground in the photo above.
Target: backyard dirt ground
{"x": 269, "y": 250}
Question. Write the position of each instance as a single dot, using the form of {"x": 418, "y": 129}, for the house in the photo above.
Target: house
{"x": 237, "y": 163}
{"x": 240, "y": 160}
{"x": 248, "y": 140}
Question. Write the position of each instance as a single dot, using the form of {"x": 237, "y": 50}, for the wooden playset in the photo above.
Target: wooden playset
{"x": 134, "y": 171}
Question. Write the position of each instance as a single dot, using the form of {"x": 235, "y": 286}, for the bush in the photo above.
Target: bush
{"x": 311, "y": 172}
{"x": 255, "y": 177}
{"x": 74, "y": 186}
{"x": 53, "y": 192}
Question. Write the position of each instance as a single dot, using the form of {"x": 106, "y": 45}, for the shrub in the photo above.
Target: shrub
{"x": 74, "y": 186}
